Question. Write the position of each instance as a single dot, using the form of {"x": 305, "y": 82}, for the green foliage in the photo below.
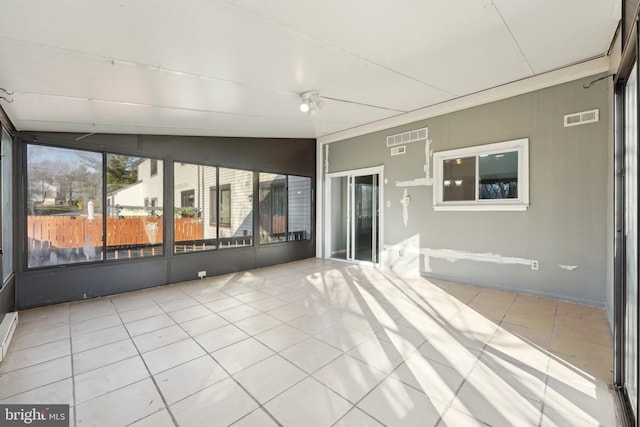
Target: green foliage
{"x": 121, "y": 171}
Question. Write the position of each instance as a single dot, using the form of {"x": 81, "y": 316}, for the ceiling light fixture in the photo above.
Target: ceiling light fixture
{"x": 311, "y": 101}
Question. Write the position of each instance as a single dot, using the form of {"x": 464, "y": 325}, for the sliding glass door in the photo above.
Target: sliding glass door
{"x": 353, "y": 232}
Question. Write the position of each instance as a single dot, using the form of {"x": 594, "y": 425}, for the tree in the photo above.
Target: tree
{"x": 121, "y": 171}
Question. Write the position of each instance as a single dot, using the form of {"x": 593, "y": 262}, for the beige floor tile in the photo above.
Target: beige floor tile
{"x": 312, "y": 325}
{"x": 269, "y": 378}
{"x": 60, "y": 392}
{"x": 19, "y": 359}
{"x": 257, "y": 324}
{"x": 238, "y": 313}
{"x": 281, "y": 337}
{"x": 120, "y": 407}
{"x": 131, "y": 301}
{"x": 102, "y": 356}
{"x": 241, "y": 355}
{"x": 191, "y": 377}
{"x": 254, "y": 419}
{"x": 343, "y": 338}
{"x": 349, "y": 377}
{"x": 223, "y": 304}
{"x": 93, "y": 325}
{"x": 22, "y": 340}
{"x": 288, "y": 312}
{"x": 292, "y": 407}
{"x": 310, "y": 354}
{"x": 171, "y": 355}
{"x": 438, "y": 381}
{"x": 90, "y": 309}
{"x": 149, "y": 310}
{"x": 595, "y": 359}
{"x": 356, "y": 418}
{"x": 444, "y": 349}
{"x": 268, "y": 303}
{"x": 35, "y": 376}
{"x": 381, "y": 354}
{"x": 189, "y": 313}
{"x": 203, "y": 324}
{"x": 222, "y": 403}
{"x": 221, "y": 337}
{"x": 150, "y": 324}
{"x": 44, "y": 317}
{"x": 518, "y": 349}
{"x": 591, "y": 403}
{"x": 159, "y": 338}
{"x": 251, "y": 296}
{"x": 496, "y": 406}
{"x": 396, "y": 404}
{"x": 99, "y": 338}
{"x": 557, "y": 418}
{"x": 106, "y": 379}
{"x": 455, "y": 418}
{"x": 536, "y": 337}
{"x": 178, "y": 304}
{"x": 157, "y": 419}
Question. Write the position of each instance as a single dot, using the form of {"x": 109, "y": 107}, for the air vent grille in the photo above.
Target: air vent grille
{"x": 582, "y": 118}
{"x": 397, "y": 151}
{"x": 407, "y": 137}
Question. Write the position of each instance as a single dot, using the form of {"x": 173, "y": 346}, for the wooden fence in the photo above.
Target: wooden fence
{"x": 77, "y": 232}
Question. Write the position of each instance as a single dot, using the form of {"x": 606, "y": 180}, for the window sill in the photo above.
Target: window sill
{"x": 478, "y": 207}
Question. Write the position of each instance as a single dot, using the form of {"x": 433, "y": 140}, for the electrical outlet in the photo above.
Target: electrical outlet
{"x": 202, "y": 274}
{"x": 534, "y": 264}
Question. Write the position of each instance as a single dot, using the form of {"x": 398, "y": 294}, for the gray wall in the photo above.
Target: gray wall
{"x": 72, "y": 282}
{"x": 569, "y": 218}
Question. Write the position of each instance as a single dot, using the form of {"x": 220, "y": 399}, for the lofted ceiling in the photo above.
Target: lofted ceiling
{"x": 236, "y": 67}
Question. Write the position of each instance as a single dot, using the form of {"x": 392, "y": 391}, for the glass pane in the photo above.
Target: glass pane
{"x": 134, "y": 200}
{"x": 339, "y": 217}
{"x": 236, "y": 208}
{"x": 193, "y": 186}
{"x": 365, "y": 217}
{"x": 272, "y": 208}
{"x": 631, "y": 238}
{"x": 7, "y": 206}
{"x": 458, "y": 179}
{"x": 498, "y": 175}
{"x": 299, "y": 214}
{"x": 64, "y": 206}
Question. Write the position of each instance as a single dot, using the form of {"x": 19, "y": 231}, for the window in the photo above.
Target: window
{"x": 236, "y": 208}
{"x": 273, "y": 204}
{"x": 134, "y": 222}
{"x": 63, "y": 206}
{"x": 299, "y": 208}
{"x": 153, "y": 167}
{"x": 486, "y": 177}
{"x": 190, "y": 231}
{"x": 225, "y": 205}
{"x": 7, "y": 206}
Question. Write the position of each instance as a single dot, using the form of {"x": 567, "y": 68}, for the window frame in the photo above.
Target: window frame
{"x": 214, "y": 206}
{"x": 521, "y": 203}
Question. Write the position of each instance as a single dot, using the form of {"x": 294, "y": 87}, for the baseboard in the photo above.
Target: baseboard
{"x": 7, "y": 328}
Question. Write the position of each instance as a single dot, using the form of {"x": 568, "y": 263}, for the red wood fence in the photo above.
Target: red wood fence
{"x": 76, "y": 232}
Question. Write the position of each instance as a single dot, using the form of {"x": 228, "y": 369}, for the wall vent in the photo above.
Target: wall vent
{"x": 396, "y": 151}
{"x": 582, "y": 118}
{"x": 407, "y": 137}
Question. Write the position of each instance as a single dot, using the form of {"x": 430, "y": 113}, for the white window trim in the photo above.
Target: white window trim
{"x": 519, "y": 204}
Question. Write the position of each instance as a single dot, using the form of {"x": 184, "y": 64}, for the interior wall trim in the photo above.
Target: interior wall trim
{"x": 531, "y": 84}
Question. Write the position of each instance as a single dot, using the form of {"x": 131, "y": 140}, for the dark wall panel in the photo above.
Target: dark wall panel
{"x": 7, "y": 297}
{"x": 59, "y": 284}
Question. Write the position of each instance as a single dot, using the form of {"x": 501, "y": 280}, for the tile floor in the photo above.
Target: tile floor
{"x": 319, "y": 343}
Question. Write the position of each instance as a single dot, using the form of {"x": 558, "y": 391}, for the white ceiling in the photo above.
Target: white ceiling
{"x": 236, "y": 67}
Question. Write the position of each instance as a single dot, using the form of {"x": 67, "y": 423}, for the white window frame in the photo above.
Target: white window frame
{"x": 519, "y": 204}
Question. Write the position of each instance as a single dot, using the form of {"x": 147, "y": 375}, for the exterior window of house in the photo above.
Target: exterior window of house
{"x": 299, "y": 207}
{"x": 273, "y": 208}
{"x": 487, "y": 177}
{"x": 64, "y": 206}
{"x": 153, "y": 167}
{"x": 235, "y": 203}
{"x": 193, "y": 204}
{"x": 134, "y": 228}
{"x": 225, "y": 205}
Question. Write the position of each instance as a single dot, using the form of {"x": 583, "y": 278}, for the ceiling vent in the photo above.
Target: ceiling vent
{"x": 397, "y": 151}
{"x": 582, "y": 118}
{"x": 407, "y": 137}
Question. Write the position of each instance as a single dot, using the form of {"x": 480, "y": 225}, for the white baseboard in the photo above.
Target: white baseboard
{"x": 7, "y": 328}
